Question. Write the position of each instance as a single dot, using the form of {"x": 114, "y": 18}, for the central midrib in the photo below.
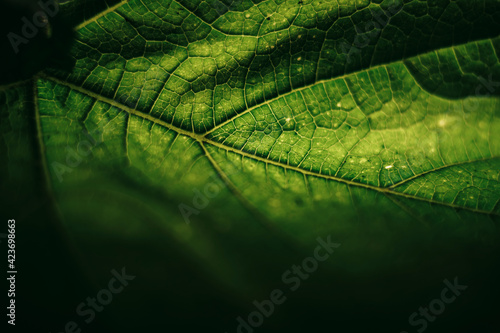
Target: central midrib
{"x": 202, "y": 138}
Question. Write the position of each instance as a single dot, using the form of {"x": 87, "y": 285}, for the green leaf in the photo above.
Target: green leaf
{"x": 265, "y": 125}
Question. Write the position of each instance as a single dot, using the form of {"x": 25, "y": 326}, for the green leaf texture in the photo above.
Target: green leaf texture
{"x": 375, "y": 122}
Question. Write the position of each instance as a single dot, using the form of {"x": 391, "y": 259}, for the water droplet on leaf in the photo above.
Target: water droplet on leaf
{"x": 288, "y": 124}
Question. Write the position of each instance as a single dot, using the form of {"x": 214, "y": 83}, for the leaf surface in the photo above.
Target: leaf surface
{"x": 274, "y": 122}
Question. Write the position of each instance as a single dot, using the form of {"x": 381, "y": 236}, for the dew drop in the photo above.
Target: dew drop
{"x": 288, "y": 124}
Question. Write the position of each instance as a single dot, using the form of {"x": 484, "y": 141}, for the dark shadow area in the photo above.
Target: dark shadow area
{"x": 33, "y": 37}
